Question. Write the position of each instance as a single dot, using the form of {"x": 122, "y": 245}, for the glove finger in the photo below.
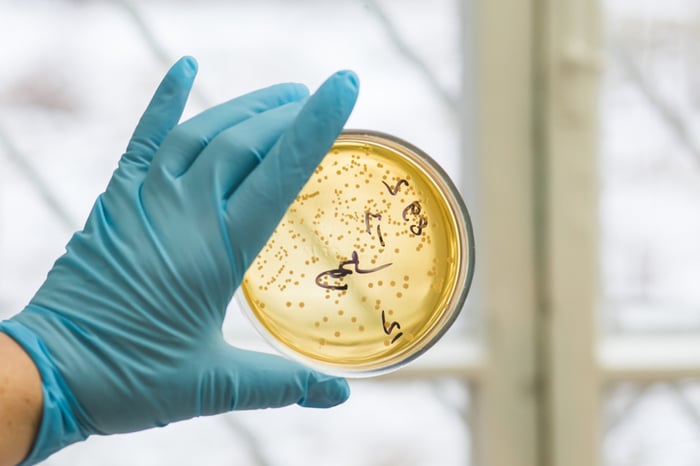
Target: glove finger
{"x": 184, "y": 144}
{"x": 161, "y": 115}
{"x": 264, "y": 196}
{"x": 251, "y": 380}
{"x": 235, "y": 152}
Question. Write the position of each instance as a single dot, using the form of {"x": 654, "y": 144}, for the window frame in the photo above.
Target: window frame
{"x": 538, "y": 395}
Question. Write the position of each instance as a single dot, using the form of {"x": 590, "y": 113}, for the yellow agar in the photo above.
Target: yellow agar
{"x": 364, "y": 264}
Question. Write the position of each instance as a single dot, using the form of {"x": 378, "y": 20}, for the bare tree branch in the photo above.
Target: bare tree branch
{"x": 34, "y": 178}
{"x": 450, "y": 101}
{"x": 254, "y": 445}
{"x": 687, "y": 405}
{"x": 155, "y": 46}
{"x": 670, "y": 115}
{"x": 632, "y": 402}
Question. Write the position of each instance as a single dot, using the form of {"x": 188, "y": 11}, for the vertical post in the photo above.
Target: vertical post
{"x": 566, "y": 129}
{"x": 505, "y": 417}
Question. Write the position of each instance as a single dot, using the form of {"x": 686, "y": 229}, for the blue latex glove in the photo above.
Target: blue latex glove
{"x": 126, "y": 330}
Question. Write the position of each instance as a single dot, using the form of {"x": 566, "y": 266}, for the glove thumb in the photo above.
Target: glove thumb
{"x": 242, "y": 379}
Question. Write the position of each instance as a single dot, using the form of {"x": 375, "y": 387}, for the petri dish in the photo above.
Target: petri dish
{"x": 371, "y": 263}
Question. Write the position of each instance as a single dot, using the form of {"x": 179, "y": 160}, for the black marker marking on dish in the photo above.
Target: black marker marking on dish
{"x": 379, "y": 227}
{"x": 393, "y": 191}
{"x": 341, "y": 272}
{"x": 418, "y": 228}
{"x": 414, "y": 208}
{"x": 390, "y": 328}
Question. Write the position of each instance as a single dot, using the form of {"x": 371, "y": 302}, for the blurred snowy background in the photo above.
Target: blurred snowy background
{"x": 76, "y": 76}
{"x": 650, "y": 217}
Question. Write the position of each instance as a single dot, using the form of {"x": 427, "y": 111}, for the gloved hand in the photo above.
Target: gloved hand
{"x": 126, "y": 330}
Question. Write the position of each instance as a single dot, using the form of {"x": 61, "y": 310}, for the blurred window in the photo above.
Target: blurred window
{"x": 650, "y": 226}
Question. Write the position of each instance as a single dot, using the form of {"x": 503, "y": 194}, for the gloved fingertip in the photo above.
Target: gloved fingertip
{"x": 190, "y": 65}
{"x": 324, "y": 391}
{"x": 350, "y": 77}
{"x": 298, "y": 91}
{"x": 343, "y": 85}
{"x": 185, "y": 68}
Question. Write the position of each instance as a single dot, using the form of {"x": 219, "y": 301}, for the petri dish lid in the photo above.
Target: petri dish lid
{"x": 371, "y": 263}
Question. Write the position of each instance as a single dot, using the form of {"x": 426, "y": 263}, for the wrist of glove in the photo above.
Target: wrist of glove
{"x": 126, "y": 330}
